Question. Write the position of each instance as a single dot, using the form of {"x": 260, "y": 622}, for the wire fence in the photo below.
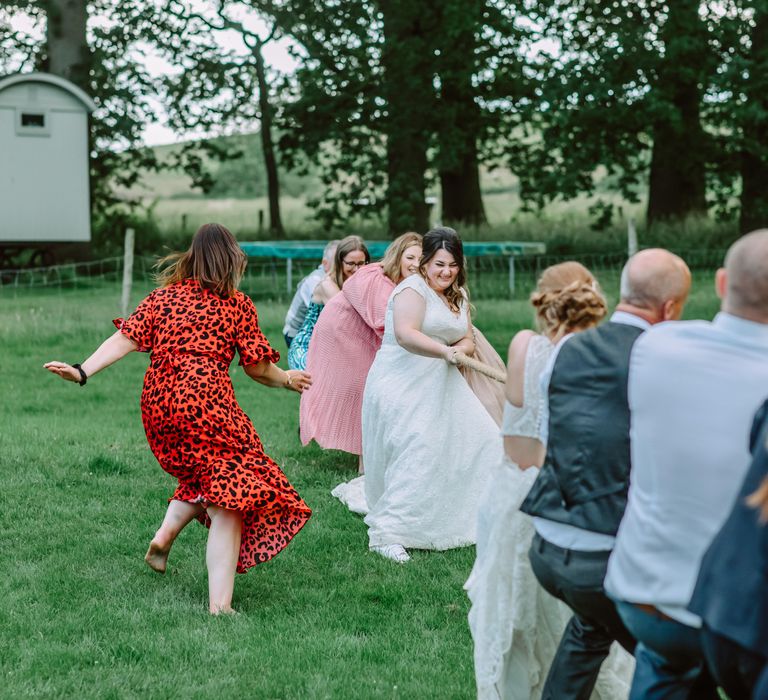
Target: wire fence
{"x": 266, "y": 279}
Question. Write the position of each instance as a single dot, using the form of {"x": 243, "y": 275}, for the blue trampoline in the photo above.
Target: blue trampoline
{"x": 313, "y": 250}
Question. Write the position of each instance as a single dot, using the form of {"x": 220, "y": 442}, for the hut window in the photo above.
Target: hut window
{"x": 33, "y": 120}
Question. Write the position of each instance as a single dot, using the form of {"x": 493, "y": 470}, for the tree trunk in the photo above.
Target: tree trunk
{"x": 67, "y": 46}
{"x": 68, "y": 55}
{"x": 754, "y": 157}
{"x": 267, "y": 145}
{"x": 458, "y": 126}
{"x": 406, "y": 58}
{"x": 677, "y": 186}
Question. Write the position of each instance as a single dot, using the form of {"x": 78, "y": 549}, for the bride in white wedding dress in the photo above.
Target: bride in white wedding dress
{"x": 428, "y": 442}
{"x": 516, "y": 625}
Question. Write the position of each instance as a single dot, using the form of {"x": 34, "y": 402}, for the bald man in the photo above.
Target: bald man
{"x": 694, "y": 387}
{"x": 579, "y": 496}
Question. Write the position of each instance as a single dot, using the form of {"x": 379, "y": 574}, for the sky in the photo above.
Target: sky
{"x": 276, "y": 55}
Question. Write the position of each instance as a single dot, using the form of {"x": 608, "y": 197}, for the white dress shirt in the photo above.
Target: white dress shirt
{"x": 562, "y": 534}
{"x": 693, "y": 389}
{"x": 297, "y": 311}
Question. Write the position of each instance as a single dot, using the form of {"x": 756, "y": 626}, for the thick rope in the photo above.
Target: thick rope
{"x": 477, "y": 366}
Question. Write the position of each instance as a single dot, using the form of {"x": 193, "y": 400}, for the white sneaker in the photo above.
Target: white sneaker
{"x": 395, "y": 552}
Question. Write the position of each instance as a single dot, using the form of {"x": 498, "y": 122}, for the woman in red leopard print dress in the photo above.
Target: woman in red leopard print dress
{"x": 192, "y": 326}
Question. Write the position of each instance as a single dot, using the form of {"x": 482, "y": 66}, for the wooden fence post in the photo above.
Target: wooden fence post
{"x": 631, "y": 238}
{"x": 127, "y": 271}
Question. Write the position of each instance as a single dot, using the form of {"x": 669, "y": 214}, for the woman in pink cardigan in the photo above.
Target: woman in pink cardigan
{"x": 345, "y": 340}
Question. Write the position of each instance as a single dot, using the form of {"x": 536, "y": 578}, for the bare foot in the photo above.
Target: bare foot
{"x": 157, "y": 557}
{"x": 228, "y": 610}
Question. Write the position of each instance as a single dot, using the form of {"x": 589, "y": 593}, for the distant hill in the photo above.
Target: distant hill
{"x": 239, "y": 178}
{"x": 244, "y": 177}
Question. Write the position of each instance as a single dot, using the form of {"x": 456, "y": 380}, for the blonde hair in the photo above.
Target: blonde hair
{"x": 568, "y": 298}
{"x": 346, "y": 245}
{"x": 390, "y": 263}
{"x": 214, "y": 259}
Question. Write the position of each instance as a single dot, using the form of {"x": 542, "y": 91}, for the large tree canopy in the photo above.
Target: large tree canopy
{"x": 393, "y": 100}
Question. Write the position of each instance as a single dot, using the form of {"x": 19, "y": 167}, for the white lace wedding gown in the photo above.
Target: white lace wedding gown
{"x": 428, "y": 442}
{"x": 516, "y": 625}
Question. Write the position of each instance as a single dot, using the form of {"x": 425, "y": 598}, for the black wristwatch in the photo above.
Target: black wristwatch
{"x": 83, "y": 375}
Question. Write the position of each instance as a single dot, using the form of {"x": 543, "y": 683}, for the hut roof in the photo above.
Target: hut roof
{"x": 50, "y": 79}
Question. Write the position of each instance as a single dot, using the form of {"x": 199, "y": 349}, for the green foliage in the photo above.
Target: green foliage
{"x": 386, "y": 98}
{"x": 392, "y": 101}
{"x": 108, "y": 233}
{"x": 651, "y": 91}
{"x": 333, "y": 108}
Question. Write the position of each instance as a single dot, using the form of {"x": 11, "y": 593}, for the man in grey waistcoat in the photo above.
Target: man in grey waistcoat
{"x": 579, "y": 496}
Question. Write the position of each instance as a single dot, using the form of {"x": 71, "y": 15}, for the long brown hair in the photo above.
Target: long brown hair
{"x": 444, "y": 238}
{"x": 390, "y": 263}
{"x": 567, "y": 298}
{"x": 346, "y": 246}
{"x": 214, "y": 259}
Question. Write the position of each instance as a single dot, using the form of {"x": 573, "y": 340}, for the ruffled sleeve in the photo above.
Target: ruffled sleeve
{"x": 140, "y": 325}
{"x": 368, "y": 291}
{"x": 252, "y": 345}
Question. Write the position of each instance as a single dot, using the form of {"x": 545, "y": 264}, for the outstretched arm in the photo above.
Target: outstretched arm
{"x": 264, "y": 372}
{"x": 110, "y": 351}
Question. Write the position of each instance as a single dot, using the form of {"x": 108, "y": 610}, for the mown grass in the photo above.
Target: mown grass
{"x": 81, "y": 614}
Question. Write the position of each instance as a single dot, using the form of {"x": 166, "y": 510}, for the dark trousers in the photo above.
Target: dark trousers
{"x": 576, "y": 578}
{"x": 669, "y": 658}
{"x": 735, "y": 668}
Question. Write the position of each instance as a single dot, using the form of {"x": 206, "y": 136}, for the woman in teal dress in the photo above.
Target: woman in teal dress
{"x": 351, "y": 255}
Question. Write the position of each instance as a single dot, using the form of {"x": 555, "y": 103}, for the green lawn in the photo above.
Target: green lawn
{"x": 81, "y": 614}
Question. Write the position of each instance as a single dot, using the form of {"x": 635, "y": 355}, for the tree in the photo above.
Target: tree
{"x": 738, "y": 112}
{"x": 459, "y": 119}
{"x": 392, "y": 87}
{"x": 334, "y": 107}
{"x": 623, "y": 90}
{"x": 19, "y": 49}
{"x": 407, "y": 89}
{"x": 222, "y": 87}
{"x": 67, "y": 51}
{"x": 754, "y": 153}
{"x": 677, "y": 180}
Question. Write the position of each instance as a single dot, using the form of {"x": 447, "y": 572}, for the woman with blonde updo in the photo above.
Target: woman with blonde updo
{"x": 515, "y": 623}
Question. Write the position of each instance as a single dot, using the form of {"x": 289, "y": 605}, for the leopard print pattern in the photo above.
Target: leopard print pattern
{"x": 194, "y": 425}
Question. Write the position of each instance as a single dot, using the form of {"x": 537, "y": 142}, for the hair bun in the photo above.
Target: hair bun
{"x": 577, "y": 305}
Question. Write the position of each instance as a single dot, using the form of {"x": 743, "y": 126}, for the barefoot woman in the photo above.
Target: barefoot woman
{"x": 193, "y": 325}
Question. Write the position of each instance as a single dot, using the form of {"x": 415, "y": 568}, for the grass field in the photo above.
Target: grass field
{"x": 81, "y": 614}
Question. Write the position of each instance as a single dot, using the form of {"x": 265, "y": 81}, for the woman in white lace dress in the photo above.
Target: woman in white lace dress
{"x": 516, "y": 625}
{"x": 428, "y": 442}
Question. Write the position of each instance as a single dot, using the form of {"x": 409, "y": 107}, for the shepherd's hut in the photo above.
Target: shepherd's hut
{"x": 44, "y": 193}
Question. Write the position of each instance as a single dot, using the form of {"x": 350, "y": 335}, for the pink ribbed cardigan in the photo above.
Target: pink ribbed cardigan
{"x": 341, "y": 351}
